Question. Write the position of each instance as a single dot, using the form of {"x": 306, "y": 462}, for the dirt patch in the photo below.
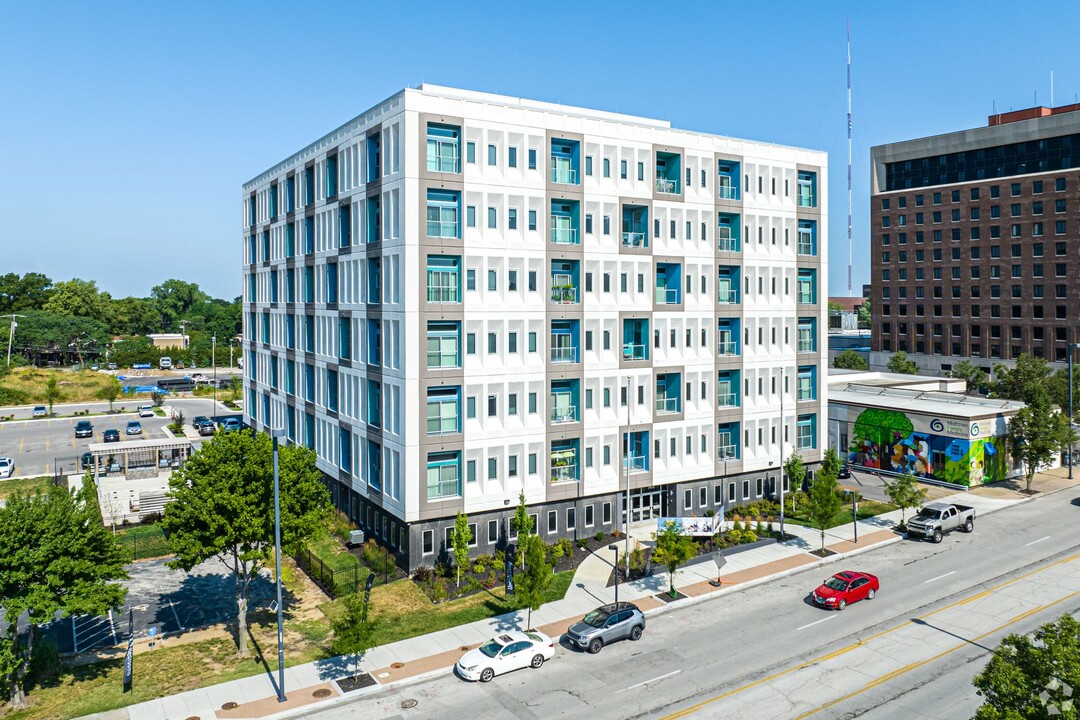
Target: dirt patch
{"x": 823, "y": 553}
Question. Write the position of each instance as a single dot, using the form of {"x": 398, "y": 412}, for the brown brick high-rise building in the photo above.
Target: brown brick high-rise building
{"x": 975, "y": 242}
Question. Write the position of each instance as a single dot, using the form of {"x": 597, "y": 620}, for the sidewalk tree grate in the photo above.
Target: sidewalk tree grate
{"x": 321, "y": 693}
{"x": 408, "y": 704}
{"x": 230, "y": 705}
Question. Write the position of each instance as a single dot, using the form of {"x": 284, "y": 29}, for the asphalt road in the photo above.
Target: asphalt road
{"x": 40, "y": 446}
{"x": 767, "y": 652}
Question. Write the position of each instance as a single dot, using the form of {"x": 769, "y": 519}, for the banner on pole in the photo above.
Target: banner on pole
{"x": 509, "y": 571}
{"x": 129, "y": 656}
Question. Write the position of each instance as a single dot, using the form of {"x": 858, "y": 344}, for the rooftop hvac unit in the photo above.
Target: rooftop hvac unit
{"x": 356, "y": 537}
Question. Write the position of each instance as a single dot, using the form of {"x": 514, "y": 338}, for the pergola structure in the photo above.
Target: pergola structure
{"x": 139, "y": 459}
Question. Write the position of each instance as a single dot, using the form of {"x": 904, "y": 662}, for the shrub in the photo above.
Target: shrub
{"x": 443, "y": 570}
{"x": 710, "y": 513}
{"x": 498, "y": 559}
{"x": 759, "y": 529}
{"x": 472, "y": 584}
{"x": 749, "y": 536}
{"x": 379, "y": 559}
{"x": 769, "y": 529}
{"x": 491, "y": 578}
{"x": 479, "y": 567}
{"x": 582, "y": 543}
{"x": 599, "y": 537}
{"x": 438, "y": 590}
{"x": 734, "y": 536}
{"x": 423, "y": 575}
{"x": 736, "y": 526}
{"x": 557, "y": 550}
{"x": 567, "y": 546}
{"x": 637, "y": 559}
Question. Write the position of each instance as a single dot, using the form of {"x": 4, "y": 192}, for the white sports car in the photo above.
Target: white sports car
{"x": 506, "y": 652}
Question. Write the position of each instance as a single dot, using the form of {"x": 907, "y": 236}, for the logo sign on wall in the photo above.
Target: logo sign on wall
{"x": 954, "y": 428}
{"x": 696, "y": 526}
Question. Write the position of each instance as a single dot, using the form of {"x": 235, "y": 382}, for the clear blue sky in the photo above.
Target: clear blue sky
{"x": 127, "y": 129}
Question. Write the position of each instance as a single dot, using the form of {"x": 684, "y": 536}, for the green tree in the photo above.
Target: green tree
{"x": 1022, "y": 381}
{"x": 133, "y": 316}
{"x": 1037, "y": 433}
{"x": 174, "y": 299}
{"x": 673, "y": 549}
{"x": 223, "y": 507}
{"x": 80, "y": 298}
{"x": 51, "y": 392}
{"x": 824, "y": 503}
{"x": 905, "y": 492}
{"x": 55, "y": 558}
{"x": 460, "y": 537}
{"x": 26, "y": 292}
{"x": 899, "y": 363}
{"x": 522, "y": 525}
{"x": 354, "y": 634}
{"x": 835, "y": 307}
{"x": 865, "y": 315}
{"x": 236, "y": 386}
{"x": 831, "y": 462}
{"x": 110, "y": 391}
{"x": 1021, "y": 670}
{"x": 796, "y": 473}
{"x": 850, "y": 360}
{"x": 970, "y": 373}
{"x": 532, "y": 584}
{"x": 1058, "y": 387}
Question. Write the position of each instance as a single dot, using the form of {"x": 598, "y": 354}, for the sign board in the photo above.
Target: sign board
{"x": 695, "y": 526}
{"x": 509, "y": 571}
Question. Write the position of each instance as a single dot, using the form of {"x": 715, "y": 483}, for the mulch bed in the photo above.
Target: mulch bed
{"x": 666, "y": 596}
{"x": 705, "y": 547}
{"x": 350, "y": 683}
{"x": 823, "y": 553}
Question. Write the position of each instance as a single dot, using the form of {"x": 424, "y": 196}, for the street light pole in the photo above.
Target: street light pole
{"x": 629, "y": 399}
{"x": 1072, "y": 347}
{"x": 616, "y": 549}
{"x": 11, "y": 335}
{"x": 276, "y": 434}
{"x": 782, "y": 469}
{"x": 230, "y": 353}
{"x": 213, "y": 360}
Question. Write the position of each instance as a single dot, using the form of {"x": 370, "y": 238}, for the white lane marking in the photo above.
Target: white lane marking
{"x": 939, "y": 577}
{"x": 824, "y": 619}
{"x": 1038, "y": 541}
{"x": 660, "y": 677}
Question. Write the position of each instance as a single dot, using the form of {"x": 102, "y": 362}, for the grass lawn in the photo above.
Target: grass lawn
{"x": 401, "y": 610}
{"x": 143, "y": 541}
{"x": 98, "y": 687}
{"x": 867, "y": 509}
{"x": 26, "y": 486}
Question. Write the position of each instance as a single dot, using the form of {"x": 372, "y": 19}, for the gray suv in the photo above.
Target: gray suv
{"x": 606, "y": 624}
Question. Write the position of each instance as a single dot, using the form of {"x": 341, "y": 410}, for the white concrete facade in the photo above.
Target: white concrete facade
{"x": 505, "y": 241}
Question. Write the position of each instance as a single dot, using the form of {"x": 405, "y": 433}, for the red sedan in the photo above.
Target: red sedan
{"x": 846, "y": 587}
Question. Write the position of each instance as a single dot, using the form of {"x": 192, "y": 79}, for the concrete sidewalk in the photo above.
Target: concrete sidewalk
{"x": 313, "y": 685}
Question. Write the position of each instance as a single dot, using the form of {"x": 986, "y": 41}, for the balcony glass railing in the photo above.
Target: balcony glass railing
{"x": 667, "y": 405}
{"x": 806, "y": 195}
{"x": 667, "y": 296}
{"x": 442, "y": 229}
{"x": 727, "y": 297}
{"x": 443, "y": 293}
{"x": 631, "y": 351}
{"x": 563, "y": 294}
{"x": 562, "y": 413}
{"x": 563, "y": 235}
{"x": 637, "y": 463}
{"x": 727, "y": 347}
{"x": 726, "y": 242}
{"x": 564, "y": 354}
{"x": 727, "y": 400}
{"x": 668, "y": 187}
{"x": 442, "y": 359}
{"x": 805, "y": 246}
{"x": 806, "y": 297}
{"x": 727, "y": 452}
{"x": 727, "y": 192}
{"x": 806, "y": 346}
{"x": 633, "y": 239}
{"x": 563, "y": 174}
{"x": 564, "y": 473}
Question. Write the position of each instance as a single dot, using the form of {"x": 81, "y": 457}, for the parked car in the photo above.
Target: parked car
{"x": 198, "y": 421}
{"x": 110, "y": 436}
{"x": 231, "y": 424}
{"x": 207, "y": 428}
{"x": 112, "y": 366}
{"x": 165, "y": 363}
{"x": 7, "y": 467}
{"x": 40, "y": 411}
{"x": 845, "y": 472}
{"x": 607, "y": 624}
{"x": 87, "y": 460}
{"x": 506, "y": 652}
{"x": 938, "y": 518}
{"x": 134, "y": 427}
{"x": 146, "y": 411}
{"x": 846, "y": 587}
{"x": 84, "y": 428}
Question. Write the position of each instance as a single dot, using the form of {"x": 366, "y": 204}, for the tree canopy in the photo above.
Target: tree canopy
{"x": 1037, "y": 432}
{"x": 899, "y": 363}
{"x": 850, "y": 360}
{"x": 223, "y": 507}
{"x": 1023, "y": 380}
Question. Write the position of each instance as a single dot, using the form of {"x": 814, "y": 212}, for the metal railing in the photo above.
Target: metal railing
{"x": 667, "y": 296}
{"x": 442, "y": 229}
{"x": 633, "y": 351}
{"x": 637, "y": 463}
{"x": 806, "y": 346}
{"x": 806, "y": 298}
{"x": 727, "y": 297}
{"x": 806, "y": 196}
{"x": 563, "y": 294}
{"x": 668, "y": 187}
{"x": 805, "y": 246}
{"x": 667, "y": 405}
{"x": 443, "y": 293}
{"x": 633, "y": 239}
{"x": 563, "y": 174}
{"x": 727, "y": 400}
{"x": 727, "y": 347}
{"x": 727, "y": 452}
{"x": 563, "y": 235}
{"x": 564, "y": 473}
{"x": 564, "y": 354}
{"x": 727, "y": 192}
{"x": 562, "y": 413}
{"x": 727, "y": 244}
{"x": 442, "y": 425}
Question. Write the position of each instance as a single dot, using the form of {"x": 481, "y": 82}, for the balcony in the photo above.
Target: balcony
{"x": 667, "y": 296}
{"x": 727, "y": 400}
{"x": 806, "y": 345}
{"x": 564, "y": 161}
{"x": 727, "y": 347}
{"x": 727, "y": 192}
{"x": 668, "y": 170}
{"x": 727, "y": 180}
{"x": 563, "y": 354}
{"x": 667, "y": 405}
{"x": 636, "y": 463}
{"x": 564, "y": 473}
{"x": 727, "y": 452}
{"x": 807, "y": 189}
{"x": 727, "y": 243}
{"x": 633, "y": 351}
{"x": 805, "y": 245}
{"x": 443, "y": 292}
{"x": 667, "y": 187}
{"x": 633, "y": 239}
{"x": 563, "y": 174}
{"x": 563, "y": 294}
{"x": 561, "y": 412}
{"x": 564, "y": 457}
{"x": 563, "y": 235}
{"x": 668, "y": 283}
{"x": 729, "y": 296}
{"x": 635, "y": 226}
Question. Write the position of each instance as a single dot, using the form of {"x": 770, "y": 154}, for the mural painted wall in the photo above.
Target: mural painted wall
{"x": 888, "y": 440}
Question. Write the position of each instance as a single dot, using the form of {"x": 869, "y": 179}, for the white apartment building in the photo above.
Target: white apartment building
{"x": 457, "y": 297}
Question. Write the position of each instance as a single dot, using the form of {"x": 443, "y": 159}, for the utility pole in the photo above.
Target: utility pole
{"x": 11, "y": 334}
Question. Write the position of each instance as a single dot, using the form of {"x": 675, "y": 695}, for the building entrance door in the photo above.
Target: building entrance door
{"x": 646, "y": 505}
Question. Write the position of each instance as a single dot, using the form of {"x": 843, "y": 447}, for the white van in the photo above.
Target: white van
{"x": 165, "y": 363}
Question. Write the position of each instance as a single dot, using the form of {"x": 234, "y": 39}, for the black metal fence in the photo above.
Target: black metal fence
{"x": 334, "y": 583}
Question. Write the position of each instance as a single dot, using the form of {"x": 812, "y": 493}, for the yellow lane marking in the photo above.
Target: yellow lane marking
{"x": 837, "y": 653}
{"x": 908, "y": 668}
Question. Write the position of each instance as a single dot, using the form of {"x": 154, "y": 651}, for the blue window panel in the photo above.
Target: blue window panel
{"x": 290, "y": 377}
{"x": 807, "y": 237}
{"x": 332, "y": 389}
{"x": 444, "y": 279}
{"x": 309, "y": 431}
{"x": 331, "y": 282}
{"x": 272, "y": 197}
{"x": 374, "y": 403}
{"x": 806, "y": 331}
{"x": 443, "y": 148}
{"x": 290, "y": 194}
{"x": 807, "y": 182}
{"x": 345, "y": 450}
{"x": 252, "y": 255}
{"x": 806, "y": 287}
{"x": 806, "y": 383}
{"x": 443, "y": 410}
{"x": 374, "y": 342}
{"x": 443, "y": 344}
{"x": 374, "y": 219}
{"x": 273, "y": 286}
{"x": 290, "y": 240}
{"x": 309, "y": 185}
{"x": 374, "y": 157}
{"x": 806, "y": 432}
{"x": 374, "y": 280}
{"x": 443, "y": 475}
{"x": 344, "y": 226}
{"x": 374, "y": 466}
{"x": 252, "y": 216}
{"x": 345, "y": 338}
{"x": 309, "y": 235}
{"x": 309, "y": 383}
{"x": 290, "y": 285}
{"x": 444, "y": 214}
{"x": 331, "y": 176}
{"x": 274, "y": 373}
{"x": 290, "y": 423}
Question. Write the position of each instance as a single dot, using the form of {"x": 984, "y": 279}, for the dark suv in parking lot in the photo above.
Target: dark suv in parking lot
{"x": 606, "y": 624}
{"x": 83, "y": 428}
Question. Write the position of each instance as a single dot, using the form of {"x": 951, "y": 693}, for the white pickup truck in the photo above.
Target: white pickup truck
{"x": 936, "y": 519}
